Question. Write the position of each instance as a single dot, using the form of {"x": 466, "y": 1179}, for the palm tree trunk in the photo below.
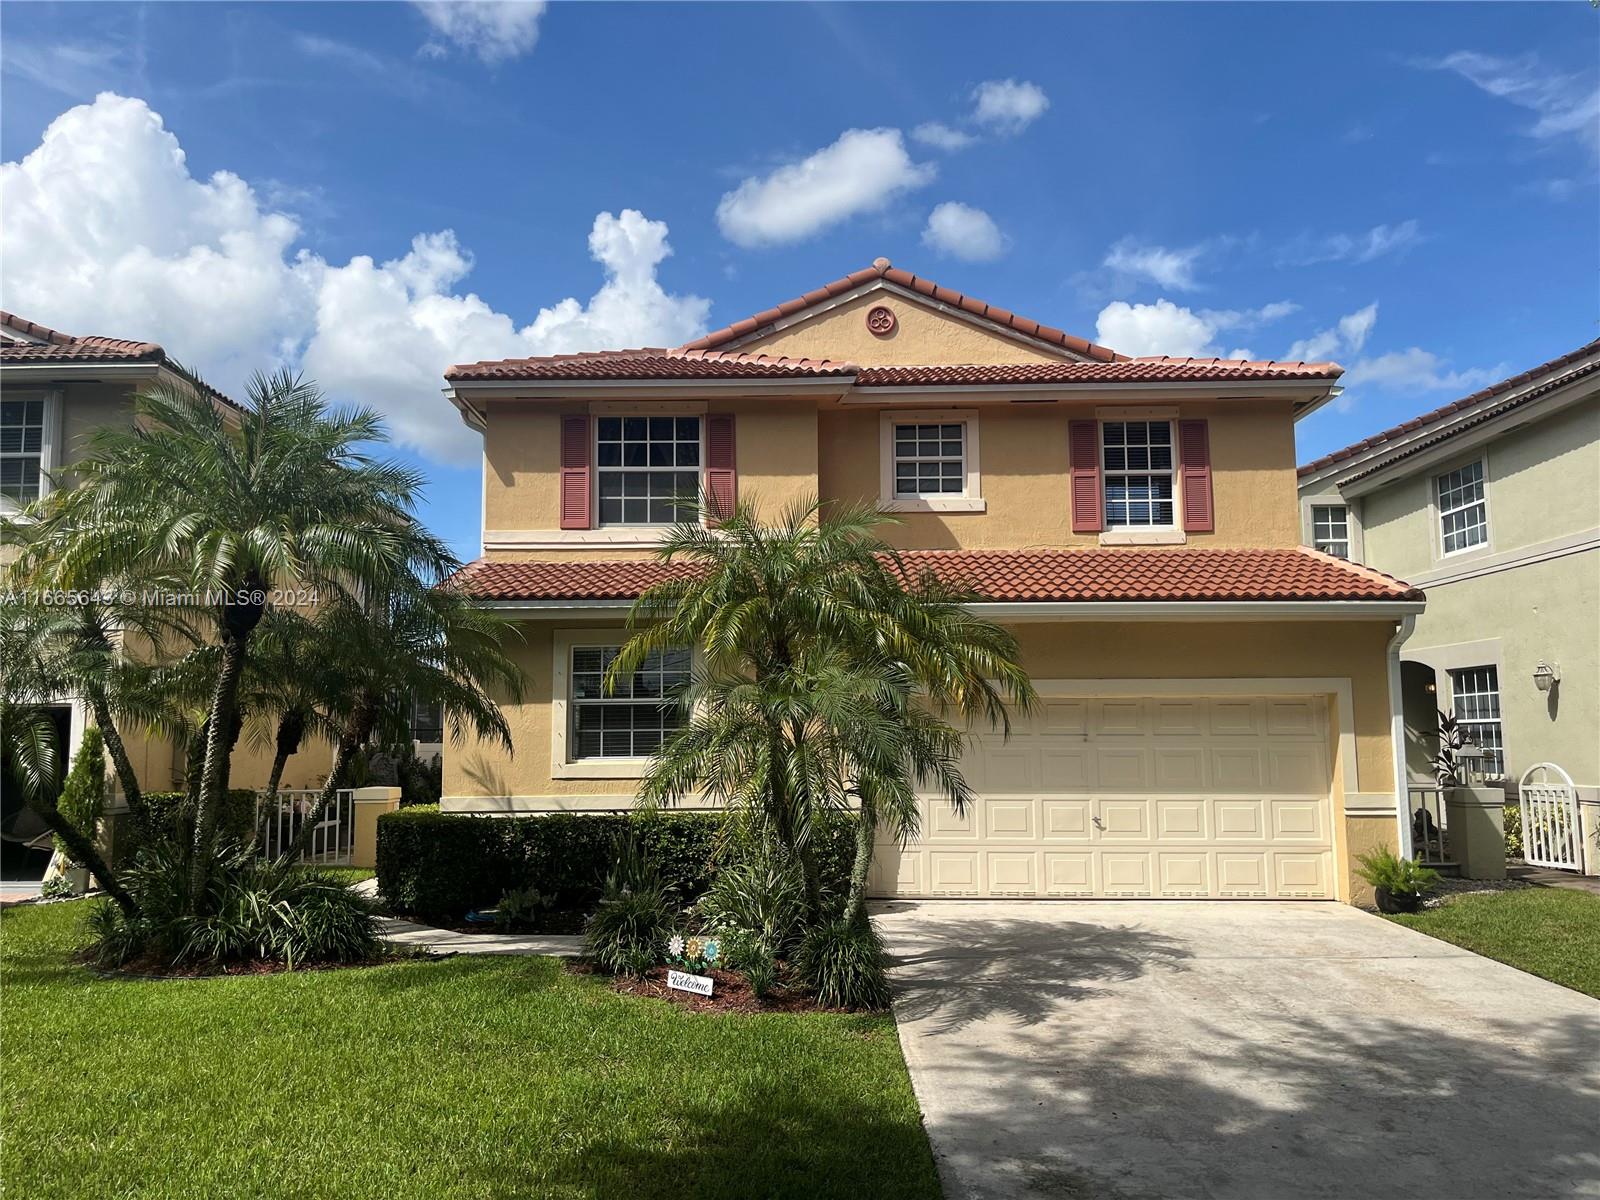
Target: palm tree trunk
{"x": 118, "y": 750}
{"x": 302, "y": 838}
{"x": 861, "y": 868}
{"x": 224, "y": 700}
{"x": 291, "y": 729}
{"x": 81, "y": 849}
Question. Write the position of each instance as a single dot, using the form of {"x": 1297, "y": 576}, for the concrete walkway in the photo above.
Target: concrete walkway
{"x": 1248, "y": 1051}
{"x": 1546, "y": 877}
{"x": 447, "y": 941}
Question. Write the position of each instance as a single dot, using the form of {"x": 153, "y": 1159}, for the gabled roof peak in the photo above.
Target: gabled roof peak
{"x": 882, "y": 269}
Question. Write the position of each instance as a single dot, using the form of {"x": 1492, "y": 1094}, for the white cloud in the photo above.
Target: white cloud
{"x": 963, "y": 232}
{"x": 861, "y": 172}
{"x": 1006, "y": 106}
{"x": 494, "y": 30}
{"x": 941, "y": 136}
{"x": 107, "y": 232}
{"x": 1168, "y": 268}
{"x": 1566, "y": 105}
{"x": 1417, "y": 368}
{"x": 1168, "y": 328}
{"x": 1347, "y": 336}
{"x": 1308, "y": 250}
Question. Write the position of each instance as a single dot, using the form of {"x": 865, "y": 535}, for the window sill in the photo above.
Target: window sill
{"x": 946, "y": 504}
{"x": 600, "y": 768}
{"x": 1144, "y": 537}
{"x": 611, "y": 537}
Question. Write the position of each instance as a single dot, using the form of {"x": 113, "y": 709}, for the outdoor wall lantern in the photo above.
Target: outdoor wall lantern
{"x": 1546, "y": 675}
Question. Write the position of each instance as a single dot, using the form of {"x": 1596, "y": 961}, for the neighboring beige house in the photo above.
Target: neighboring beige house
{"x": 55, "y": 390}
{"x": 1492, "y": 504}
{"x": 1217, "y": 718}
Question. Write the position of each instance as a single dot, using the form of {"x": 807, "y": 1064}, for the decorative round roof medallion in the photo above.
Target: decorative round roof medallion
{"x": 880, "y": 321}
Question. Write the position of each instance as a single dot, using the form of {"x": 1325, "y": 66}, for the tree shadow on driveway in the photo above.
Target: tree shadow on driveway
{"x": 961, "y": 970}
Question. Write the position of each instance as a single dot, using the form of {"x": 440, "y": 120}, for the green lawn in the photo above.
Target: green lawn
{"x": 347, "y": 875}
{"x": 469, "y": 1077}
{"x": 1550, "y": 932}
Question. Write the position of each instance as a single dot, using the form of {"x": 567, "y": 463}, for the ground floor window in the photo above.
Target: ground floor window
{"x": 1475, "y": 692}
{"x": 631, "y": 721}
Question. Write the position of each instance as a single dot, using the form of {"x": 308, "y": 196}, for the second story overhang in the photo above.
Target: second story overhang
{"x": 661, "y": 374}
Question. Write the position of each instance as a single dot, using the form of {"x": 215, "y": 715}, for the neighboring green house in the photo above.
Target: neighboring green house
{"x": 1491, "y": 505}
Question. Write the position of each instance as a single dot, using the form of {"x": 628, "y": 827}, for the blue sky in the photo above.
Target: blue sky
{"x": 406, "y": 186}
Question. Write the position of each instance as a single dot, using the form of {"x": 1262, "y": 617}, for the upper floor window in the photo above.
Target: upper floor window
{"x": 1475, "y": 694}
{"x": 21, "y": 449}
{"x": 633, "y": 720}
{"x": 648, "y": 469}
{"x": 1463, "y": 514}
{"x": 1330, "y": 529}
{"x": 1136, "y": 464}
{"x": 930, "y": 460}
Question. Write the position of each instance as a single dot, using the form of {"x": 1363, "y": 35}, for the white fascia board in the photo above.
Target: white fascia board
{"x": 692, "y": 389}
{"x": 1037, "y": 393}
{"x": 1074, "y": 610}
{"x": 70, "y": 372}
{"x": 1561, "y": 397}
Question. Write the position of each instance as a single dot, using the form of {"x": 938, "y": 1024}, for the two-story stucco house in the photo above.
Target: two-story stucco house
{"x": 56, "y": 389}
{"x": 1218, "y": 712}
{"x": 1491, "y": 503}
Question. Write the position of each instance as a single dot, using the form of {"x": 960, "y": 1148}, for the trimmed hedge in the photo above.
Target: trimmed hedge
{"x": 435, "y": 864}
{"x": 162, "y": 811}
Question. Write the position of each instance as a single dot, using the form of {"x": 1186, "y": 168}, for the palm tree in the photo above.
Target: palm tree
{"x": 828, "y": 670}
{"x": 287, "y": 680}
{"x": 282, "y": 494}
{"x": 388, "y": 648}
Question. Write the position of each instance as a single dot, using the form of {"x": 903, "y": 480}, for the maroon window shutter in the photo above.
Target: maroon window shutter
{"x": 575, "y": 472}
{"x": 722, "y": 481}
{"x": 1083, "y": 460}
{"x": 1194, "y": 473}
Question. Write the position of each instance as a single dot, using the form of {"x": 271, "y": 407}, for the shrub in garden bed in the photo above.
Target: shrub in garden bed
{"x": 442, "y": 865}
{"x": 253, "y": 911}
{"x": 163, "y": 818}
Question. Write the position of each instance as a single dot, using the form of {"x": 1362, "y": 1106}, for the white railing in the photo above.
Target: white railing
{"x": 280, "y": 818}
{"x": 1426, "y": 805}
{"x": 1550, "y": 836}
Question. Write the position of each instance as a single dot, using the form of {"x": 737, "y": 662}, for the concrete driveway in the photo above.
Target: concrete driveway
{"x": 1146, "y": 1051}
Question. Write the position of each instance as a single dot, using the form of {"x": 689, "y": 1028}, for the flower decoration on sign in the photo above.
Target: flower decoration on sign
{"x": 881, "y": 321}
{"x": 712, "y": 950}
{"x": 675, "y": 946}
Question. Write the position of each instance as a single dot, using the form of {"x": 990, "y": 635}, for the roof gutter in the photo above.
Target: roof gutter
{"x": 1071, "y": 610}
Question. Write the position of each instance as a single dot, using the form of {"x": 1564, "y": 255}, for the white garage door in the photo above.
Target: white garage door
{"x": 1166, "y": 797}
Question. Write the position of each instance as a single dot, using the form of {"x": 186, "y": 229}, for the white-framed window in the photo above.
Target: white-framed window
{"x": 1330, "y": 529}
{"x": 1475, "y": 695}
{"x": 632, "y": 721}
{"x": 24, "y": 448}
{"x": 647, "y": 469}
{"x": 1136, "y": 464}
{"x": 929, "y": 462}
{"x": 930, "y": 459}
{"x": 1463, "y": 511}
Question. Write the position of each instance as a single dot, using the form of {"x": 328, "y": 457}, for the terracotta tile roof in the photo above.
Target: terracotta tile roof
{"x": 881, "y": 269}
{"x": 55, "y": 346}
{"x": 1558, "y": 377}
{"x": 651, "y": 363}
{"x": 1006, "y": 575}
{"x": 1137, "y": 370}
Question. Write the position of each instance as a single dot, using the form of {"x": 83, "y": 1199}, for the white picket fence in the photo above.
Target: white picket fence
{"x": 1550, "y": 836}
{"x": 279, "y": 819}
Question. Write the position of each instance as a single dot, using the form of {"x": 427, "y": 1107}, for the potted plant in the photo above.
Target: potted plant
{"x": 1399, "y": 884}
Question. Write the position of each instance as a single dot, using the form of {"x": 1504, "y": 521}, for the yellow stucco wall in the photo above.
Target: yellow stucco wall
{"x": 1363, "y": 835}
{"x": 1085, "y": 650}
{"x": 1023, "y": 464}
{"x": 922, "y": 335}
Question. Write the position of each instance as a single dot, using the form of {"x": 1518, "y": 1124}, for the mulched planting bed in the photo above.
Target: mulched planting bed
{"x": 730, "y": 992}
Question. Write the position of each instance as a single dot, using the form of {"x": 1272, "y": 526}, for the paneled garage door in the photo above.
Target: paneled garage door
{"x": 1176, "y": 797}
